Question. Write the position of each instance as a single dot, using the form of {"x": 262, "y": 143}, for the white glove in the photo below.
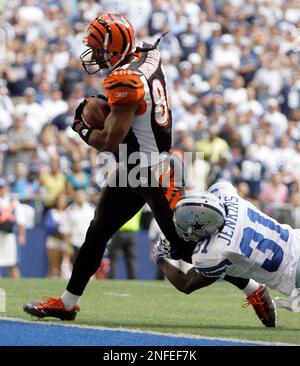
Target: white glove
{"x": 291, "y": 303}
{"x": 161, "y": 249}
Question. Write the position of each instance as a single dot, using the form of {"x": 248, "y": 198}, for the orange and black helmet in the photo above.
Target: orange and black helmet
{"x": 109, "y": 38}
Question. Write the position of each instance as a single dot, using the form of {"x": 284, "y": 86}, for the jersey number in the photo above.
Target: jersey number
{"x": 263, "y": 244}
{"x": 162, "y": 115}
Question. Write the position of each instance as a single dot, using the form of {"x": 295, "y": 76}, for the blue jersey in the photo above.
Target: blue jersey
{"x": 250, "y": 245}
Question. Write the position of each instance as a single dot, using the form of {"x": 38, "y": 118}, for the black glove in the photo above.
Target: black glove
{"x": 79, "y": 125}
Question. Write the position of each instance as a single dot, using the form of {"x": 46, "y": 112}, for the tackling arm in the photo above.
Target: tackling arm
{"x": 184, "y": 282}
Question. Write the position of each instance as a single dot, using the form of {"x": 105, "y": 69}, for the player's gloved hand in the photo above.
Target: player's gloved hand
{"x": 161, "y": 249}
{"x": 79, "y": 125}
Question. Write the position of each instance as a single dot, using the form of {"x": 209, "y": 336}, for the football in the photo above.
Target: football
{"x": 95, "y": 112}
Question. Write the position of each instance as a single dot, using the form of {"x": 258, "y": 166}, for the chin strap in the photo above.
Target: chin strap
{"x": 152, "y": 47}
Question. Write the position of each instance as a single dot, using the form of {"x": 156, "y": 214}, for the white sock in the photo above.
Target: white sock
{"x": 251, "y": 287}
{"x": 70, "y": 300}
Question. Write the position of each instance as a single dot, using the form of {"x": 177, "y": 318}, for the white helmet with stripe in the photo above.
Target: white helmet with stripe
{"x": 198, "y": 216}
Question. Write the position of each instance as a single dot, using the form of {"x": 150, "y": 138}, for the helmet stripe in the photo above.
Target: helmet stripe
{"x": 126, "y": 24}
{"x": 99, "y": 31}
{"x": 120, "y": 30}
{"x": 94, "y": 37}
{"x": 106, "y": 26}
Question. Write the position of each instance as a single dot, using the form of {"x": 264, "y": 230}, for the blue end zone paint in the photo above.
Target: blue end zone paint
{"x": 13, "y": 333}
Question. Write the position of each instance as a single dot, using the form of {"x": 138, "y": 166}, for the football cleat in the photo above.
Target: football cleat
{"x": 51, "y": 307}
{"x": 263, "y": 305}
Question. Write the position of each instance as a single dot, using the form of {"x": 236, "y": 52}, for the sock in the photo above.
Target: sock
{"x": 251, "y": 287}
{"x": 69, "y": 300}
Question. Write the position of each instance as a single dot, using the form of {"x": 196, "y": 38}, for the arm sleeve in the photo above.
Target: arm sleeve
{"x": 212, "y": 268}
{"x": 125, "y": 87}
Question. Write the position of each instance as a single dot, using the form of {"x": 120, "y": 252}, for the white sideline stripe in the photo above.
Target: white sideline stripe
{"x": 140, "y": 331}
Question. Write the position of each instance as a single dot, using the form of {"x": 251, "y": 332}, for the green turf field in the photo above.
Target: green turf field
{"x": 155, "y": 305}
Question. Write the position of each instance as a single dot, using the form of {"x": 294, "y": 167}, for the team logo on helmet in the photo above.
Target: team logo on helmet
{"x": 198, "y": 216}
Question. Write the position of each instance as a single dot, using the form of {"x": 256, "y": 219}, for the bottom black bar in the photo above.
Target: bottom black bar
{"x": 134, "y": 355}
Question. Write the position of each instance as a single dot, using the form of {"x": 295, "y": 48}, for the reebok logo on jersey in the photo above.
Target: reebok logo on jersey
{"x": 121, "y": 94}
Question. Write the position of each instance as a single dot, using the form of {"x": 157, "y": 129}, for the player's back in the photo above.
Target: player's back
{"x": 142, "y": 81}
{"x": 257, "y": 245}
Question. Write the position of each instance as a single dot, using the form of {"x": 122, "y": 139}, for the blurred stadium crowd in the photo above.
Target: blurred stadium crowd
{"x": 233, "y": 77}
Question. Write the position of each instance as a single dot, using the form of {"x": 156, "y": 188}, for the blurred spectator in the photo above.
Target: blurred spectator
{"x": 236, "y": 94}
{"x": 65, "y": 119}
{"x": 251, "y": 104}
{"x": 277, "y": 119}
{"x": 251, "y": 172}
{"x": 248, "y": 61}
{"x": 12, "y": 230}
{"x": 274, "y": 190}
{"x": 70, "y": 76}
{"x": 19, "y": 74}
{"x": 213, "y": 146}
{"x": 77, "y": 220}
{"x": 226, "y": 57}
{"x": 189, "y": 41}
{"x": 259, "y": 151}
{"x": 35, "y": 115}
{"x": 56, "y": 244}
{"x": 158, "y": 18}
{"x": 268, "y": 78}
{"x": 30, "y": 13}
{"x": 53, "y": 182}
{"x": 47, "y": 148}
{"x": 6, "y": 107}
{"x": 19, "y": 185}
{"x": 123, "y": 244}
{"x": 222, "y": 170}
{"x": 79, "y": 178}
{"x": 54, "y": 105}
{"x": 291, "y": 95}
{"x": 243, "y": 190}
{"x": 21, "y": 143}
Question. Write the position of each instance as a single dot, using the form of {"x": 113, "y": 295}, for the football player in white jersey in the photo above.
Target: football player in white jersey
{"x": 233, "y": 238}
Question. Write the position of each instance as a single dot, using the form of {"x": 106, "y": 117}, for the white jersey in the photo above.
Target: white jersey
{"x": 250, "y": 245}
